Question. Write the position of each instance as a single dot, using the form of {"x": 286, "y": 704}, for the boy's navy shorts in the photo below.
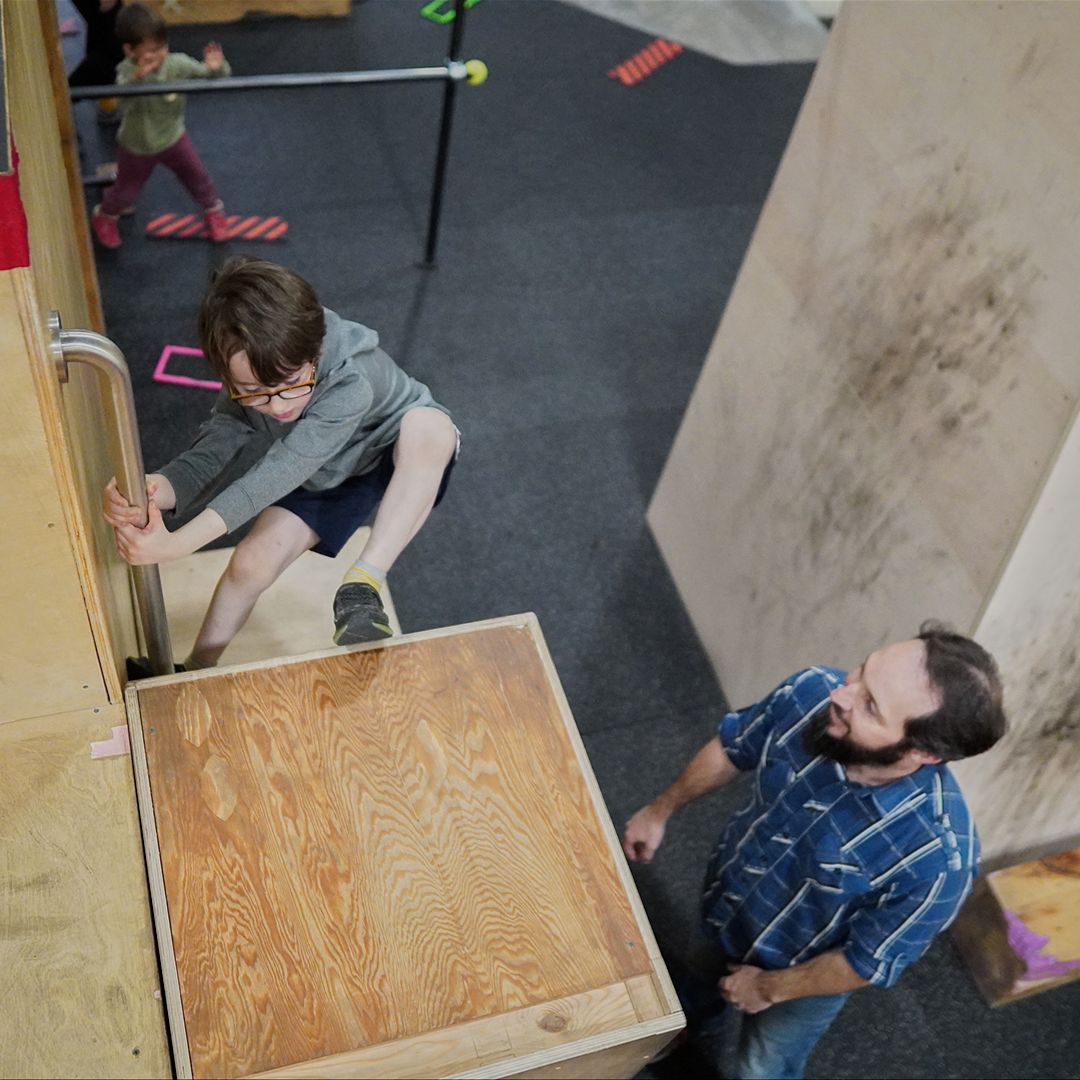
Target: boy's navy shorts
{"x": 336, "y": 513}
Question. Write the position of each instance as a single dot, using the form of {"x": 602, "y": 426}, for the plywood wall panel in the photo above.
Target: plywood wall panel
{"x": 81, "y": 433}
{"x": 78, "y": 971}
{"x": 1024, "y": 792}
{"x": 894, "y": 371}
{"x": 48, "y": 659}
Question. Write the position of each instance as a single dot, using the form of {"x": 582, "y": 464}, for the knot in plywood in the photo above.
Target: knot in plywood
{"x": 553, "y": 1022}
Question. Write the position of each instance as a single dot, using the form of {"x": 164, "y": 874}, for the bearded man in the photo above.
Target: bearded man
{"x": 856, "y": 848}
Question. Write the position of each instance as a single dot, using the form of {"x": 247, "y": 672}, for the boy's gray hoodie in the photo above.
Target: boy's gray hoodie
{"x": 353, "y": 415}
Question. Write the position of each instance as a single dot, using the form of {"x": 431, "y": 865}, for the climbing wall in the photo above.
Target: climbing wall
{"x": 875, "y": 433}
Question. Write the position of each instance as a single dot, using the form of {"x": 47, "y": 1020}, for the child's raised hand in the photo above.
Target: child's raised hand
{"x": 213, "y": 56}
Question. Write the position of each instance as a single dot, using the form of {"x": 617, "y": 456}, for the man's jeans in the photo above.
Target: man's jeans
{"x": 775, "y": 1043}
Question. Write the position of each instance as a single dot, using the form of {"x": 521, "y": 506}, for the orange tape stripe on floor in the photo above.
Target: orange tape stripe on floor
{"x": 260, "y": 229}
{"x": 279, "y": 230}
{"x": 159, "y": 221}
{"x": 245, "y": 224}
{"x": 656, "y": 54}
{"x": 179, "y": 223}
{"x": 645, "y": 61}
{"x": 648, "y": 60}
{"x": 192, "y": 230}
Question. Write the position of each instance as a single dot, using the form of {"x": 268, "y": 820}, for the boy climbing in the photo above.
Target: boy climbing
{"x": 152, "y": 131}
{"x": 315, "y": 427}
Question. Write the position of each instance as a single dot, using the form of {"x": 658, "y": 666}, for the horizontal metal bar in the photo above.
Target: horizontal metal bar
{"x": 453, "y": 70}
{"x": 86, "y": 347}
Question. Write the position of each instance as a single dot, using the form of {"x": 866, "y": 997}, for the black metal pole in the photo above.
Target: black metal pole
{"x": 457, "y": 29}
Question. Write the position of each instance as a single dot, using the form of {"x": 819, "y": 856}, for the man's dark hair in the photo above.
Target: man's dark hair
{"x": 971, "y": 717}
{"x": 264, "y": 310}
{"x": 136, "y": 23}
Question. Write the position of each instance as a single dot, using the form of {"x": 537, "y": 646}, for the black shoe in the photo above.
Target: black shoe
{"x": 138, "y": 667}
{"x": 359, "y": 615}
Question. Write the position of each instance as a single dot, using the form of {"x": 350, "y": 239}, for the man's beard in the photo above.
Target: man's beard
{"x": 843, "y": 750}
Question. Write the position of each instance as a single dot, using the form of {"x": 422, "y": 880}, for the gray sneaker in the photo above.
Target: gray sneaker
{"x": 359, "y": 615}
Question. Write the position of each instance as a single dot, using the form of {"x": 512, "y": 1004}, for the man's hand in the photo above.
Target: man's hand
{"x": 745, "y": 988}
{"x": 644, "y": 833}
{"x": 151, "y": 544}
{"x": 213, "y": 56}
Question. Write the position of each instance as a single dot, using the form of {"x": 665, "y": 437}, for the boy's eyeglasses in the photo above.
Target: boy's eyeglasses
{"x": 297, "y": 390}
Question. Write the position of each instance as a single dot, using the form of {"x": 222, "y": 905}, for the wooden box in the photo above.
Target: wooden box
{"x": 391, "y": 861}
{"x": 217, "y": 11}
{"x": 1019, "y": 932}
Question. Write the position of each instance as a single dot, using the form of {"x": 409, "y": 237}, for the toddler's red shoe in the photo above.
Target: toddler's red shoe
{"x": 216, "y": 225}
{"x": 105, "y": 229}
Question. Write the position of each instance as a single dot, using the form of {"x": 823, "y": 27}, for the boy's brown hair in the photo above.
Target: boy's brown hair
{"x": 136, "y": 23}
{"x": 264, "y": 310}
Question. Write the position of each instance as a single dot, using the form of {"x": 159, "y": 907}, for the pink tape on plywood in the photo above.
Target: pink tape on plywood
{"x": 162, "y": 375}
{"x": 117, "y": 746}
{"x": 1029, "y": 945}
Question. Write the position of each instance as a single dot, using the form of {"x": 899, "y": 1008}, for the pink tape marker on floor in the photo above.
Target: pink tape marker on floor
{"x": 118, "y": 745}
{"x": 162, "y": 376}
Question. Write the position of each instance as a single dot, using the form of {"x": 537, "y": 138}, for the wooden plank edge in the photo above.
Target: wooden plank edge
{"x": 666, "y": 989}
{"x": 519, "y": 621}
{"x": 569, "y": 1051}
{"x": 159, "y": 903}
{"x": 79, "y": 536}
{"x": 384, "y": 1059}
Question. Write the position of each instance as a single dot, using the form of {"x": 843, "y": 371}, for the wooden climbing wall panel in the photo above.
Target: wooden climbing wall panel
{"x": 393, "y": 859}
{"x": 876, "y": 437}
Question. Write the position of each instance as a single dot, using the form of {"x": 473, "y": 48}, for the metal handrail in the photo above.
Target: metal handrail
{"x": 453, "y": 69}
{"x": 86, "y": 347}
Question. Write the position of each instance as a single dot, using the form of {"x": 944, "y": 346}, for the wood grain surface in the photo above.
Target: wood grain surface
{"x": 216, "y": 11}
{"x": 79, "y": 989}
{"x": 894, "y": 371}
{"x": 79, "y": 430}
{"x": 368, "y": 846}
{"x": 1044, "y": 894}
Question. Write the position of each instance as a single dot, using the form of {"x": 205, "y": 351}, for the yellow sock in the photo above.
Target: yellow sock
{"x": 362, "y": 576}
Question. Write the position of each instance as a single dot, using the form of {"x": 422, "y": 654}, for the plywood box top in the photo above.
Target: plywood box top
{"x": 361, "y": 848}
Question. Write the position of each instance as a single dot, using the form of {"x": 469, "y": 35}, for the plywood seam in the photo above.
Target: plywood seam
{"x": 159, "y": 901}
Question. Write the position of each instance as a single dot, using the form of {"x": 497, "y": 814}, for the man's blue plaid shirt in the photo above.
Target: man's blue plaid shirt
{"x": 817, "y": 862}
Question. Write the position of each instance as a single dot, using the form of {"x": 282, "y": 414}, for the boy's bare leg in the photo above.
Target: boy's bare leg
{"x": 426, "y": 442}
{"x": 277, "y": 539}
